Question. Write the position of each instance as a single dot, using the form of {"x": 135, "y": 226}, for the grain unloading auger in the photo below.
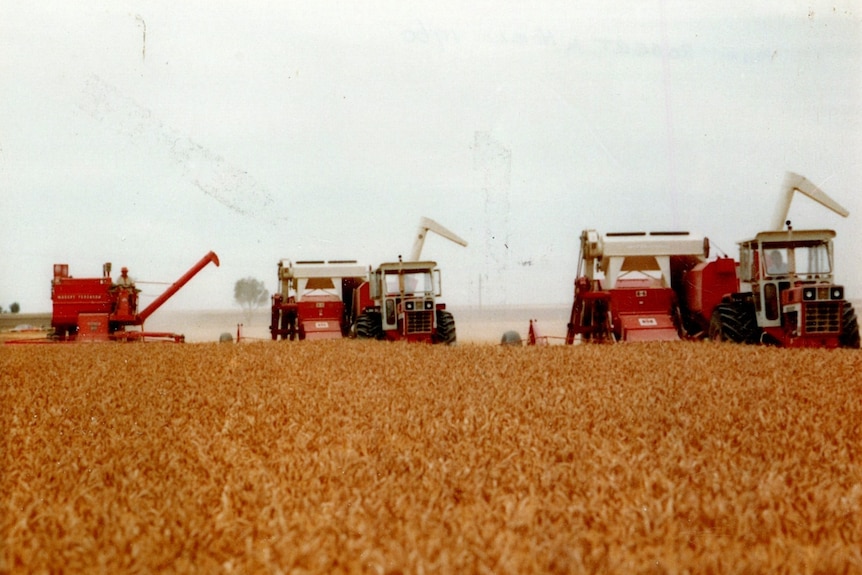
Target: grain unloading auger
{"x": 97, "y": 309}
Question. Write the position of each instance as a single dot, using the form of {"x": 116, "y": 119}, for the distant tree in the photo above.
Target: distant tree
{"x": 250, "y": 294}
{"x": 15, "y": 308}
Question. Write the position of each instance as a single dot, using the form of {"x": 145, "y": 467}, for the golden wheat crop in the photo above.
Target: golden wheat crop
{"x": 368, "y": 457}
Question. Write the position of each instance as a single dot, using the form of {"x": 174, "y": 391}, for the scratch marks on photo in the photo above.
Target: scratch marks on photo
{"x": 206, "y": 170}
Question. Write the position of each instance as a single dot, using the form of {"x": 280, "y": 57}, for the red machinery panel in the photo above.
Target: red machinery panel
{"x": 654, "y": 327}
{"x": 93, "y": 327}
{"x": 77, "y": 296}
{"x": 321, "y": 329}
{"x": 707, "y": 283}
{"x": 644, "y": 314}
{"x": 320, "y": 316}
{"x": 646, "y": 299}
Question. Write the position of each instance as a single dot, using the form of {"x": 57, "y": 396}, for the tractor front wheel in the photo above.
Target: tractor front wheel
{"x": 733, "y": 323}
{"x": 849, "y": 327}
{"x": 445, "y": 327}
{"x": 369, "y": 325}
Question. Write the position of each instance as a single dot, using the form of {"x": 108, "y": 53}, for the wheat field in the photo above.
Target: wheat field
{"x": 370, "y": 457}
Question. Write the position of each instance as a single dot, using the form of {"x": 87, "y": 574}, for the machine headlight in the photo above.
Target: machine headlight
{"x": 429, "y": 304}
{"x": 837, "y": 292}
{"x": 809, "y": 294}
{"x": 409, "y": 305}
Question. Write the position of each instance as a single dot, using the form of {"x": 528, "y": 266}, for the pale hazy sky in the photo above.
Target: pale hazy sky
{"x": 148, "y": 133}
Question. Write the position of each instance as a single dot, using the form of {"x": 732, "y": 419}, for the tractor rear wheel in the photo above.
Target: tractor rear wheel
{"x": 849, "y": 327}
{"x": 733, "y": 322}
{"x": 445, "y": 327}
{"x": 369, "y": 325}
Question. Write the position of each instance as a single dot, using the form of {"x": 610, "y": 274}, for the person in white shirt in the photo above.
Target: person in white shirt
{"x": 124, "y": 280}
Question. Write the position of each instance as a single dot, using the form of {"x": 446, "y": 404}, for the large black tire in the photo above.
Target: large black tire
{"x": 734, "y": 322}
{"x": 849, "y": 327}
{"x": 369, "y": 325}
{"x": 445, "y": 327}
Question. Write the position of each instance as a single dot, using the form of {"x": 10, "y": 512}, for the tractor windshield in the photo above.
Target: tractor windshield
{"x": 809, "y": 259}
{"x": 813, "y": 260}
{"x": 417, "y": 282}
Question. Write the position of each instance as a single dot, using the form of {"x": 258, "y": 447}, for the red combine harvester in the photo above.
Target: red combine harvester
{"x": 95, "y": 309}
{"x": 659, "y": 286}
{"x": 315, "y": 299}
{"x": 630, "y": 285}
{"x": 399, "y": 300}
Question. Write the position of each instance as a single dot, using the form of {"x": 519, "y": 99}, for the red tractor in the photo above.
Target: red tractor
{"x": 788, "y": 296}
{"x": 315, "y": 299}
{"x": 399, "y": 300}
{"x": 96, "y": 309}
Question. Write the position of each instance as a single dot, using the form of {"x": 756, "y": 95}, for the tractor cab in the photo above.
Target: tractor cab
{"x": 790, "y": 274}
{"x": 400, "y": 302}
{"x": 407, "y": 292}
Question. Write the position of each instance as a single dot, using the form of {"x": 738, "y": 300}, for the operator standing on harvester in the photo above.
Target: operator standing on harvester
{"x": 124, "y": 280}
{"x": 127, "y": 296}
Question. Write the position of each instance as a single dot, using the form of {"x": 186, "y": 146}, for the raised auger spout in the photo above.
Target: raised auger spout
{"x": 175, "y": 287}
{"x": 428, "y": 225}
{"x": 796, "y": 183}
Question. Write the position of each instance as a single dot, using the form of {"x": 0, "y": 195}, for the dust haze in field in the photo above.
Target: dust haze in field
{"x": 474, "y": 325}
